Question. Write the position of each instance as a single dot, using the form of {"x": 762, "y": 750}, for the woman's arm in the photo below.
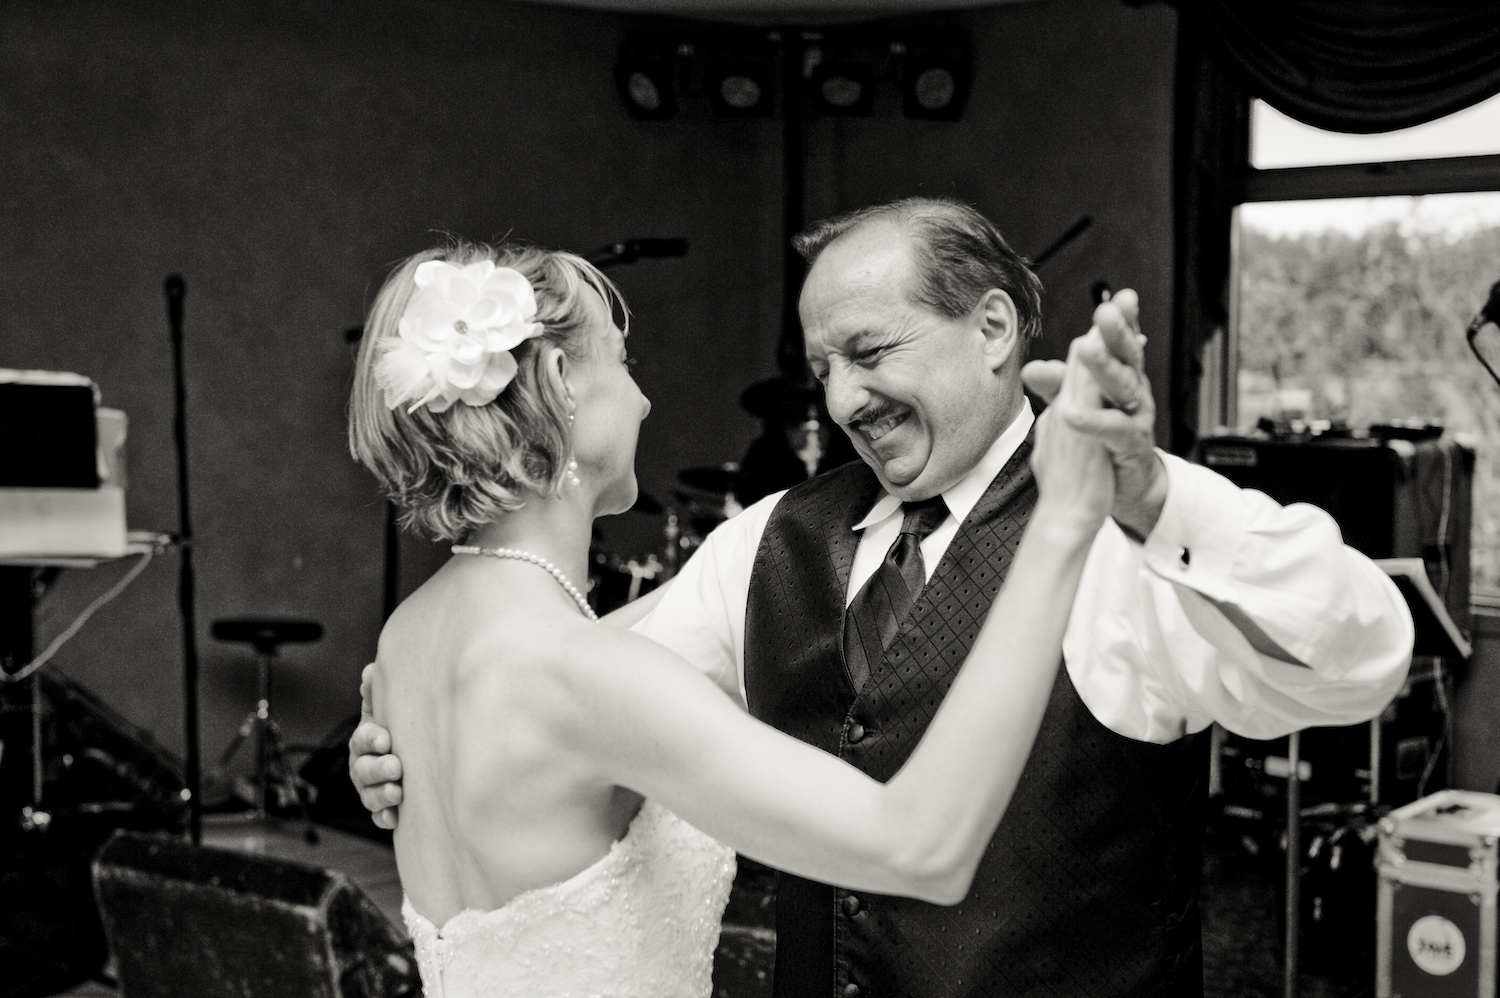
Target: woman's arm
{"x": 653, "y": 724}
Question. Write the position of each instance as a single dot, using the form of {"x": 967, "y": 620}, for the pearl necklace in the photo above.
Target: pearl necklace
{"x": 539, "y": 562}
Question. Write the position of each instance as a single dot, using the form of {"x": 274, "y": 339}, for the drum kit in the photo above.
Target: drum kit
{"x": 798, "y": 440}
{"x": 705, "y": 497}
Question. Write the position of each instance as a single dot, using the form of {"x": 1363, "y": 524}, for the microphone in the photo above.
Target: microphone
{"x": 631, "y": 250}
{"x": 1489, "y": 313}
{"x": 176, "y": 290}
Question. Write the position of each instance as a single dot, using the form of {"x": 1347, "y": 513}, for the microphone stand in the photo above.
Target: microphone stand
{"x": 176, "y": 290}
{"x": 1488, "y": 314}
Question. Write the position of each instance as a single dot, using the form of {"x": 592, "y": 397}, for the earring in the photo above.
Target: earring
{"x": 573, "y": 478}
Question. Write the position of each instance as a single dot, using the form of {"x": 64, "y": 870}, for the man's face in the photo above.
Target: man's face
{"x": 922, "y": 395}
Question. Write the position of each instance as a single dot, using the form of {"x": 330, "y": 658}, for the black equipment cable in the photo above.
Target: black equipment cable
{"x": 176, "y": 291}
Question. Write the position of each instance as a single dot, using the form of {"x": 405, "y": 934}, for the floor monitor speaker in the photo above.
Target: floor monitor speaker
{"x": 187, "y": 921}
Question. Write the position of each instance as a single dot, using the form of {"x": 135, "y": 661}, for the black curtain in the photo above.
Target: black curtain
{"x": 1211, "y": 148}
{"x": 1360, "y": 65}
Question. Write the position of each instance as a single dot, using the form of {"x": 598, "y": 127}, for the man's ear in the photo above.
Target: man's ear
{"x": 556, "y": 365}
{"x": 995, "y": 315}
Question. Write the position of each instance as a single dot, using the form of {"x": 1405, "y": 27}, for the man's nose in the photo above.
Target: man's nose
{"x": 645, "y": 406}
{"x": 844, "y": 395}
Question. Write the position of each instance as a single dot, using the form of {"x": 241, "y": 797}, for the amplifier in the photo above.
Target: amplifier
{"x": 1391, "y": 498}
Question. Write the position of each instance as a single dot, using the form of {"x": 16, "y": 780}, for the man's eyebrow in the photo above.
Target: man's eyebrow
{"x": 868, "y": 339}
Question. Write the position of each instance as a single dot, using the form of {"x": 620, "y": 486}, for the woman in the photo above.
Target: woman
{"x": 558, "y": 773}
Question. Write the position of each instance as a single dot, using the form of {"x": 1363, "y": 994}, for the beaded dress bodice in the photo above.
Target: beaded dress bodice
{"x": 642, "y": 922}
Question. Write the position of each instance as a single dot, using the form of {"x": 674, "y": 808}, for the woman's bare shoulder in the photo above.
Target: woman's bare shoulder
{"x": 537, "y": 664}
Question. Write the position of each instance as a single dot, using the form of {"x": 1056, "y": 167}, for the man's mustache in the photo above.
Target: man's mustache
{"x": 875, "y": 414}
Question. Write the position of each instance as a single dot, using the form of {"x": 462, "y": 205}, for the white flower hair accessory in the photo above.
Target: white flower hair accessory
{"x": 456, "y": 336}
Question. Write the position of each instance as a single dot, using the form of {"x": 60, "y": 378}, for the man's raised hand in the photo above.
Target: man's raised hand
{"x": 376, "y": 774}
{"x": 1124, "y": 420}
{"x": 1073, "y": 469}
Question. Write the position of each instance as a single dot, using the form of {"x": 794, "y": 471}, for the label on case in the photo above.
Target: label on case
{"x": 1230, "y": 457}
{"x": 1436, "y": 945}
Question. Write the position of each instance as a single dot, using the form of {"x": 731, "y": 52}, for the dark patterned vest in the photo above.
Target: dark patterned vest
{"x": 1090, "y": 885}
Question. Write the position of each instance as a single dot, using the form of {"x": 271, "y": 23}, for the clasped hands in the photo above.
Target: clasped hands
{"x": 1101, "y": 392}
{"x": 1111, "y": 402}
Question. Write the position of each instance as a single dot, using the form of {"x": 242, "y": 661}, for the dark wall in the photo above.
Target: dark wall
{"x": 1071, "y": 115}
{"x": 281, "y": 155}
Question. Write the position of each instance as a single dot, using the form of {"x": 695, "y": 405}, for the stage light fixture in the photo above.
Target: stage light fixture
{"x": 842, "y": 88}
{"x": 646, "y": 82}
{"x": 935, "y": 79}
{"x": 742, "y": 89}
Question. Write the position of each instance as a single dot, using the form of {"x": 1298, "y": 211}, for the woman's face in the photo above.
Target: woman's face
{"x": 607, "y": 421}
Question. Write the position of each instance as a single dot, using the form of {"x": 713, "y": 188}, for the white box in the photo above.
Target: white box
{"x": 62, "y": 523}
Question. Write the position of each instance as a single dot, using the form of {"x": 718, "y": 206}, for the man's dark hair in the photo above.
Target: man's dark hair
{"x": 957, "y": 254}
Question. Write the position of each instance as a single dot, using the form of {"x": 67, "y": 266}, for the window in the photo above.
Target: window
{"x": 1358, "y": 263}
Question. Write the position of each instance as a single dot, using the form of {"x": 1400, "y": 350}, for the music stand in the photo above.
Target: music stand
{"x": 1436, "y": 636}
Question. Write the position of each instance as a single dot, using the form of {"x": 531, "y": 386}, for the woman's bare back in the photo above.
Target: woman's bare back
{"x": 496, "y": 804}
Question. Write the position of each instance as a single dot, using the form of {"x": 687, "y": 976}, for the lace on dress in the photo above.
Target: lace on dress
{"x": 642, "y": 922}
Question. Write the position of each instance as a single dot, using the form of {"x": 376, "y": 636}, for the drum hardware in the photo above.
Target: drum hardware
{"x": 671, "y": 548}
{"x": 709, "y": 495}
{"x": 615, "y": 581}
{"x": 273, "y": 770}
{"x": 718, "y": 480}
{"x": 641, "y": 572}
{"x": 798, "y": 438}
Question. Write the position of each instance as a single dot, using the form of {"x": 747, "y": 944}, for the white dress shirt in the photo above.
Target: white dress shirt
{"x": 1235, "y": 610}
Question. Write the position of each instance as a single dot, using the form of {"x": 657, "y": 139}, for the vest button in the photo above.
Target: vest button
{"x": 851, "y": 991}
{"x": 856, "y": 733}
{"x": 851, "y": 905}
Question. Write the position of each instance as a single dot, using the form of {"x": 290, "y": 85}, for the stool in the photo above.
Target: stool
{"x": 272, "y": 769}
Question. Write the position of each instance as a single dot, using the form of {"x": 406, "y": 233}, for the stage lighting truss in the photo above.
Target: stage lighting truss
{"x": 844, "y": 71}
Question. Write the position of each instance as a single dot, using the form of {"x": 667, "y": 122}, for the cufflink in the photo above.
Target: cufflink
{"x": 1186, "y": 557}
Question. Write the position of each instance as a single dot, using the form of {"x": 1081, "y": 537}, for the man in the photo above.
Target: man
{"x": 813, "y": 608}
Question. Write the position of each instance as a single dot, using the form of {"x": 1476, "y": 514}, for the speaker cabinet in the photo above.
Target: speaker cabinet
{"x": 190, "y": 922}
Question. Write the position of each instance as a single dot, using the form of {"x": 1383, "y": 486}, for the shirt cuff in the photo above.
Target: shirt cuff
{"x": 1201, "y": 530}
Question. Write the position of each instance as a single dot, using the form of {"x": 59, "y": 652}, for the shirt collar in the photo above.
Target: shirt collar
{"x": 965, "y": 493}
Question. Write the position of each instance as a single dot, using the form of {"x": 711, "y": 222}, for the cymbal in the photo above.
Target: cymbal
{"x": 697, "y": 502}
{"x": 716, "y": 479}
{"x": 781, "y": 398}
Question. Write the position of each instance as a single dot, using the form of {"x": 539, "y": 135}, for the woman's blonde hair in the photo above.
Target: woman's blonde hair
{"x": 449, "y": 472}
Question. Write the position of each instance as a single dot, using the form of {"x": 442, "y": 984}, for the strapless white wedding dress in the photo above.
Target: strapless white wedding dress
{"x": 642, "y": 922}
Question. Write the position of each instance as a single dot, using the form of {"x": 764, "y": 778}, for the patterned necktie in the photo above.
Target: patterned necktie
{"x": 872, "y": 620}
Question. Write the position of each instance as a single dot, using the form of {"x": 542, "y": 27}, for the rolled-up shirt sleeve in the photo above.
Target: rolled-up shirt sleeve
{"x": 1236, "y": 610}
{"x": 702, "y": 614}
